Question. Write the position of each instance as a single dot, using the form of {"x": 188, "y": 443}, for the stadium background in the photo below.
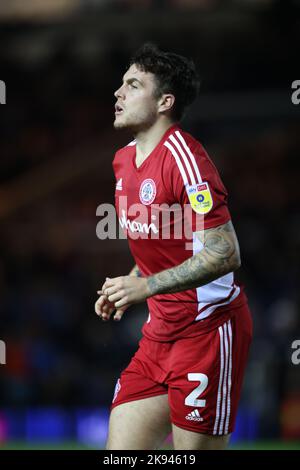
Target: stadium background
{"x": 61, "y": 61}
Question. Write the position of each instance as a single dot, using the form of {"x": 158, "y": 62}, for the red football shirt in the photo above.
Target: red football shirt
{"x": 174, "y": 193}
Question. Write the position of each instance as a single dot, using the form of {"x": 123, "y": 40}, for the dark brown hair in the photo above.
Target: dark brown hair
{"x": 174, "y": 74}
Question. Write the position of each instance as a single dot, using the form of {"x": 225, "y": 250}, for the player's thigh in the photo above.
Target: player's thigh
{"x": 140, "y": 424}
{"x": 189, "y": 440}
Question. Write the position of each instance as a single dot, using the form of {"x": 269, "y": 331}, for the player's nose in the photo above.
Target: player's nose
{"x": 118, "y": 93}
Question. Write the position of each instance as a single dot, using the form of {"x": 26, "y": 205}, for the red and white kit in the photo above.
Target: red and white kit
{"x": 195, "y": 342}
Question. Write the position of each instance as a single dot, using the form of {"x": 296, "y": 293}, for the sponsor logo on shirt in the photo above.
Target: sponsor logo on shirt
{"x": 147, "y": 191}
{"x": 200, "y": 198}
{"x": 135, "y": 226}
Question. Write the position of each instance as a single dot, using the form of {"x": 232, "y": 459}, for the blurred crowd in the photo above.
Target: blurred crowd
{"x": 51, "y": 262}
{"x": 54, "y": 8}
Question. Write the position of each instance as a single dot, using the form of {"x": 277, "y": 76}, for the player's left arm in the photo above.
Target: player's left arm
{"x": 219, "y": 256}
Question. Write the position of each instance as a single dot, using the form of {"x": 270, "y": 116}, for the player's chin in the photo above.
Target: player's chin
{"x": 119, "y": 124}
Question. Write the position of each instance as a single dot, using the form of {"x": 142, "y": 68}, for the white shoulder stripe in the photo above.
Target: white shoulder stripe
{"x": 185, "y": 159}
{"x": 189, "y": 153}
{"x": 133, "y": 142}
{"x": 178, "y": 161}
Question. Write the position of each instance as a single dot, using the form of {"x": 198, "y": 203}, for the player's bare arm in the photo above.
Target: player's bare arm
{"x": 219, "y": 256}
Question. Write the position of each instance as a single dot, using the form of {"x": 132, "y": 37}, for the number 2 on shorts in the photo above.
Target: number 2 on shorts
{"x": 192, "y": 398}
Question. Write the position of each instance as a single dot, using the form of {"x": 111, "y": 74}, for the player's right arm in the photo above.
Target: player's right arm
{"x": 104, "y": 308}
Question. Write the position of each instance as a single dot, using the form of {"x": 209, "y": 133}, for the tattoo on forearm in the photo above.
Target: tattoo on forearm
{"x": 135, "y": 272}
{"x": 219, "y": 256}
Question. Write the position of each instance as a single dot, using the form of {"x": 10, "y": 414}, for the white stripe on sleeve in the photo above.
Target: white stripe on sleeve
{"x": 185, "y": 158}
{"x": 178, "y": 161}
{"x": 188, "y": 151}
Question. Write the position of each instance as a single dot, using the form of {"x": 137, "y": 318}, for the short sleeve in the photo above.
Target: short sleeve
{"x": 197, "y": 186}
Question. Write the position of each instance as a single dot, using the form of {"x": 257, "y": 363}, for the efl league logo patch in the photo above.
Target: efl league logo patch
{"x": 200, "y": 198}
{"x": 147, "y": 191}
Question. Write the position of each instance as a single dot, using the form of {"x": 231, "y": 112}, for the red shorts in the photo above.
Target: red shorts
{"x": 202, "y": 375}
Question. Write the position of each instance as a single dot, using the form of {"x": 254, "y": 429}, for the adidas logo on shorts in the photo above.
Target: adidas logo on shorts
{"x": 194, "y": 416}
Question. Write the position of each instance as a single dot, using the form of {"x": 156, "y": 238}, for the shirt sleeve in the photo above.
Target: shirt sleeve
{"x": 197, "y": 186}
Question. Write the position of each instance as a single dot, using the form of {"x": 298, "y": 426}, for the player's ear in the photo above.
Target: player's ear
{"x": 166, "y": 103}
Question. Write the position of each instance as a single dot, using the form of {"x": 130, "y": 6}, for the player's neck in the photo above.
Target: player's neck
{"x": 147, "y": 140}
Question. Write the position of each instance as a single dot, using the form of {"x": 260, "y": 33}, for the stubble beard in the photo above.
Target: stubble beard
{"x": 135, "y": 125}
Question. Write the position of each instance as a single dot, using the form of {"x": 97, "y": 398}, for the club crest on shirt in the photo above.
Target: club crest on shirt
{"x": 147, "y": 191}
{"x": 200, "y": 198}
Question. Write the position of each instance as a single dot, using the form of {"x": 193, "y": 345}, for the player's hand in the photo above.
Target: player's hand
{"x": 104, "y": 308}
{"x": 124, "y": 290}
